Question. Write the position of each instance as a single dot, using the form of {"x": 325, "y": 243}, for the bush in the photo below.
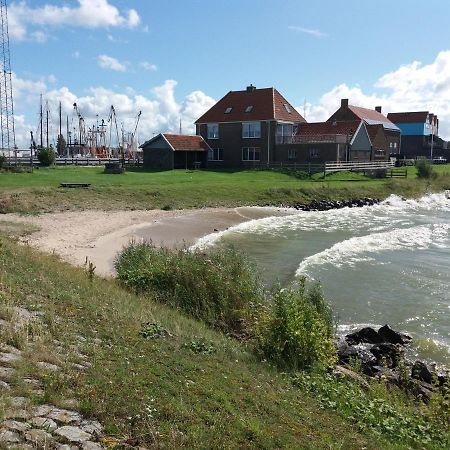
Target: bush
{"x": 425, "y": 170}
{"x": 46, "y": 157}
{"x": 218, "y": 287}
{"x": 2, "y": 161}
{"x": 296, "y": 331}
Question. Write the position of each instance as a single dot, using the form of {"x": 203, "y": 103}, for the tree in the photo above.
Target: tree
{"x": 61, "y": 145}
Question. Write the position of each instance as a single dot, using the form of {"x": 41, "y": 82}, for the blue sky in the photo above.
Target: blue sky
{"x": 172, "y": 59}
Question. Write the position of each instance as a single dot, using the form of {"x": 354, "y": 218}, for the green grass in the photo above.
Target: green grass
{"x": 163, "y": 380}
{"x": 40, "y": 192}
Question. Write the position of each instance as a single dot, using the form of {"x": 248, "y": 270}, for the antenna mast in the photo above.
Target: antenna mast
{"x": 8, "y": 138}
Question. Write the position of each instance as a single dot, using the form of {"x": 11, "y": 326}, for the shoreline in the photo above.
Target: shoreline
{"x": 99, "y": 235}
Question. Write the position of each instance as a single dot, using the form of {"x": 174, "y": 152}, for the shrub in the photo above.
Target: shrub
{"x": 2, "y": 161}
{"x": 218, "y": 287}
{"x": 296, "y": 331}
{"x": 425, "y": 170}
{"x": 46, "y": 157}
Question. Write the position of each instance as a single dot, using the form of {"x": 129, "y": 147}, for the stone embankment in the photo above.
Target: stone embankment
{"x": 26, "y": 422}
{"x": 381, "y": 354}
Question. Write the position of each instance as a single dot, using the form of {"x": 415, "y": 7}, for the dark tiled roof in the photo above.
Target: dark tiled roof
{"x": 186, "y": 143}
{"x": 373, "y": 131}
{"x": 268, "y": 104}
{"x": 409, "y": 117}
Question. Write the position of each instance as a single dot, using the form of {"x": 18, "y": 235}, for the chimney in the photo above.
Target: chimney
{"x": 344, "y": 103}
{"x": 251, "y": 88}
{"x": 378, "y": 109}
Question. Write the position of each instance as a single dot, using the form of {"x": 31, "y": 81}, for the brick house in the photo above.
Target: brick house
{"x": 175, "y": 151}
{"x": 327, "y": 141}
{"x": 248, "y": 127}
{"x": 419, "y": 130}
{"x": 371, "y": 117}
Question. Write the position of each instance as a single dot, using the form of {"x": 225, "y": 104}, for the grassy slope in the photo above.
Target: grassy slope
{"x": 158, "y": 391}
{"x": 40, "y": 191}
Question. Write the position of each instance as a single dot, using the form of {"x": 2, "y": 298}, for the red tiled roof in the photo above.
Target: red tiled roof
{"x": 370, "y": 116}
{"x": 267, "y": 103}
{"x": 186, "y": 143}
{"x": 318, "y": 130}
{"x": 409, "y": 117}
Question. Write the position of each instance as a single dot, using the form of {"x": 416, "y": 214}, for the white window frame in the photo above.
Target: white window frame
{"x": 292, "y": 153}
{"x": 215, "y": 154}
{"x": 213, "y": 130}
{"x": 251, "y": 130}
{"x": 249, "y": 154}
{"x": 314, "y": 153}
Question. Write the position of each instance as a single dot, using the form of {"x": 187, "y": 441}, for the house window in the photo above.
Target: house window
{"x": 287, "y": 108}
{"x": 379, "y": 152}
{"x": 213, "y": 131}
{"x": 284, "y": 133}
{"x": 215, "y": 154}
{"x": 249, "y": 109}
{"x": 395, "y": 144}
{"x": 228, "y": 110}
{"x": 313, "y": 153}
{"x": 251, "y": 153}
{"x": 292, "y": 153}
{"x": 391, "y": 145}
{"x": 251, "y": 130}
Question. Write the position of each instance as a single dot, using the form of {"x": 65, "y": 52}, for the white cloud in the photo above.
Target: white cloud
{"x": 88, "y": 14}
{"x": 110, "y": 63}
{"x": 160, "y": 112}
{"x": 148, "y": 66}
{"x": 310, "y": 31}
{"x": 411, "y": 87}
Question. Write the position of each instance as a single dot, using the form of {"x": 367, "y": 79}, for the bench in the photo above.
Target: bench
{"x": 75, "y": 185}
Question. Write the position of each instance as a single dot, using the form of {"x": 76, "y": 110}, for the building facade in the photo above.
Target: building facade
{"x": 246, "y": 128}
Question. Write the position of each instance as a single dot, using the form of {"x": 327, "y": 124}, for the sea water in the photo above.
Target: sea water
{"x": 387, "y": 263}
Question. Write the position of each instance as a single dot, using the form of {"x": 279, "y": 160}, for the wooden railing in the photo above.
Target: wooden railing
{"x": 81, "y": 161}
{"x": 356, "y": 166}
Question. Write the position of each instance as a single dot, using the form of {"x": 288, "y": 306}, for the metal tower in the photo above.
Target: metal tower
{"x": 8, "y": 138}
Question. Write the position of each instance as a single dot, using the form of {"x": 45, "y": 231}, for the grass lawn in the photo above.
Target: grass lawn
{"x": 137, "y": 189}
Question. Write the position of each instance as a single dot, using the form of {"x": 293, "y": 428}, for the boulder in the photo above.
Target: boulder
{"x": 347, "y": 353}
{"x": 421, "y": 372}
{"x": 392, "y": 336}
{"x": 366, "y": 335}
{"x": 346, "y": 373}
{"x": 387, "y": 354}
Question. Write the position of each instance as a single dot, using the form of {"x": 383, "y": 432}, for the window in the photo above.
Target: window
{"x": 379, "y": 152}
{"x": 391, "y": 145}
{"x": 284, "y": 133}
{"x": 395, "y": 144}
{"x": 292, "y": 153}
{"x": 313, "y": 153}
{"x": 249, "y": 109}
{"x": 213, "y": 131}
{"x": 287, "y": 108}
{"x": 251, "y": 130}
{"x": 215, "y": 154}
{"x": 250, "y": 154}
{"x": 228, "y": 110}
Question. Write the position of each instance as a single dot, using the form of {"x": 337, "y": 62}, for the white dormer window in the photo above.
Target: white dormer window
{"x": 228, "y": 110}
{"x": 287, "y": 108}
{"x": 251, "y": 129}
{"x": 249, "y": 109}
{"x": 213, "y": 131}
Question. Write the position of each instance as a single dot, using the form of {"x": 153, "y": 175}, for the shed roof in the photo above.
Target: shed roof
{"x": 319, "y": 130}
{"x": 251, "y": 104}
{"x": 181, "y": 142}
{"x": 409, "y": 117}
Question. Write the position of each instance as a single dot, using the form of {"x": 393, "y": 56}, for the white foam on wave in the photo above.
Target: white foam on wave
{"x": 392, "y": 212}
{"x": 358, "y": 249}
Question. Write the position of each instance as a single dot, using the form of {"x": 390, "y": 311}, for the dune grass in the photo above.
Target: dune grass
{"x": 137, "y": 189}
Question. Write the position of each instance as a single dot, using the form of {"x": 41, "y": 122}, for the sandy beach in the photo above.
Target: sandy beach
{"x": 99, "y": 235}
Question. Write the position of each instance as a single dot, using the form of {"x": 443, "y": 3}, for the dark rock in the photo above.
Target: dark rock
{"x": 347, "y": 354}
{"x": 392, "y": 336}
{"x": 387, "y": 354}
{"x": 421, "y": 372}
{"x": 366, "y": 335}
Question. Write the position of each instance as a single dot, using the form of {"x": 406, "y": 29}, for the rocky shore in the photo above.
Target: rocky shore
{"x": 325, "y": 205}
{"x": 380, "y": 354}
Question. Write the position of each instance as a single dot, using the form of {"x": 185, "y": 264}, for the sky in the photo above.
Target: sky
{"x": 173, "y": 59}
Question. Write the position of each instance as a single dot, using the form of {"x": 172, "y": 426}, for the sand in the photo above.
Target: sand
{"x": 100, "y": 235}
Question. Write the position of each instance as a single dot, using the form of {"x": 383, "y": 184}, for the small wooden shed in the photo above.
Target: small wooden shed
{"x": 175, "y": 151}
